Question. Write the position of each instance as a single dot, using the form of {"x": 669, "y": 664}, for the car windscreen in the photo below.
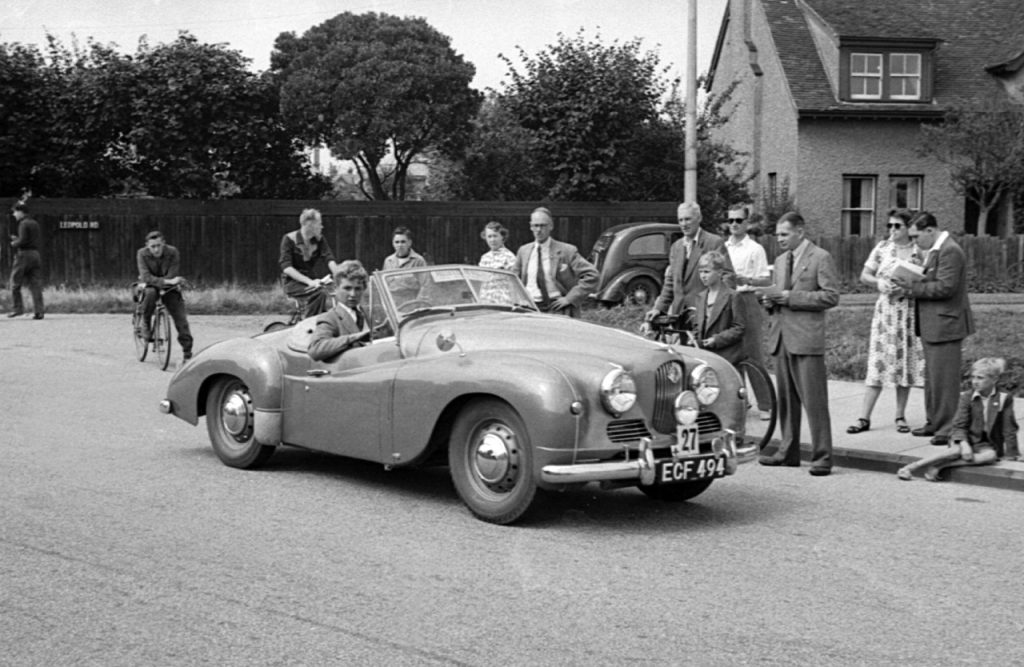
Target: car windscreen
{"x": 454, "y": 286}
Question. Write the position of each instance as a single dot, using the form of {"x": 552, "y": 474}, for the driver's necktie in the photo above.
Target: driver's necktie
{"x": 360, "y": 320}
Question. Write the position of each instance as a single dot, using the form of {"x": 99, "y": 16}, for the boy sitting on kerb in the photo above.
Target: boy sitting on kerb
{"x": 343, "y": 326}
{"x": 984, "y": 428}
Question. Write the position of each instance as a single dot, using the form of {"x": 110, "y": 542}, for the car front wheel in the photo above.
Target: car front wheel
{"x": 230, "y": 423}
{"x": 677, "y": 493}
{"x": 491, "y": 461}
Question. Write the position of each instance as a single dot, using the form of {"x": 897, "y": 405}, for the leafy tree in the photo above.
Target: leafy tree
{"x": 983, "y": 148}
{"x": 89, "y": 96}
{"x": 23, "y": 118}
{"x": 498, "y": 162}
{"x": 203, "y": 126}
{"x": 376, "y": 89}
{"x": 586, "y": 104}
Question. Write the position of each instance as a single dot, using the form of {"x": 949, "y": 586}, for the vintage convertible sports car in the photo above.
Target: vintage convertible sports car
{"x": 463, "y": 369}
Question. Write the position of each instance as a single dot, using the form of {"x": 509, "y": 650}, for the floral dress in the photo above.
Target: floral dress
{"x": 895, "y": 356}
{"x": 502, "y": 258}
{"x": 497, "y": 291}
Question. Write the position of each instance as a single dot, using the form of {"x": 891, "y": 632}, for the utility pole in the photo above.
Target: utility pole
{"x": 690, "y": 153}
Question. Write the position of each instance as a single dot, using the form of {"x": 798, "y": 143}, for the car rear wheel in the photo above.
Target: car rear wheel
{"x": 230, "y": 423}
{"x": 491, "y": 461}
{"x": 677, "y": 493}
{"x": 641, "y": 291}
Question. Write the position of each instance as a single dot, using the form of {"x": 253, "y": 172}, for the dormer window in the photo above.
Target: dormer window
{"x": 873, "y": 74}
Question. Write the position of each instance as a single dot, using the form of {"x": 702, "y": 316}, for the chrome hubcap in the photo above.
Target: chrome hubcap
{"x": 496, "y": 458}
{"x": 236, "y": 414}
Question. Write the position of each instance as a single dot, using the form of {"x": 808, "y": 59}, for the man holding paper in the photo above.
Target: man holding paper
{"x": 943, "y": 321}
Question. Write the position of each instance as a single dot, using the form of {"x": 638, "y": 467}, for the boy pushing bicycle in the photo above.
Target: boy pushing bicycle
{"x": 158, "y": 269}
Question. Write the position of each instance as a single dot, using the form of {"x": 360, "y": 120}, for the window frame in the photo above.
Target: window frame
{"x": 894, "y": 180}
{"x": 847, "y": 211}
{"x": 887, "y": 51}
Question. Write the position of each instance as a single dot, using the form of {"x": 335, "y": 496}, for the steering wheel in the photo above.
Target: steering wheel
{"x": 412, "y": 305}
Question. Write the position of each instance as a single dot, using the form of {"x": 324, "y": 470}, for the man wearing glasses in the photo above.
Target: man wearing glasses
{"x": 751, "y": 265}
{"x": 554, "y": 273}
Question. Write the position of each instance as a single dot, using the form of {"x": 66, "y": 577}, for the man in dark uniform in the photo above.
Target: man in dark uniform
{"x": 158, "y": 268}
{"x": 28, "y": 267}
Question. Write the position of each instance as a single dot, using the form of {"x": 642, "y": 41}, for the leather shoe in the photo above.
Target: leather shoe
{"x": 15, "y": 313}
{"x": 37, "y": 316}
{"x": 923, "y": 432}
{"x": 940, "y": 440}
{"x": 772, "y": 461}
{"x": 819, "y": 471}
{"x": 186, "y": 356}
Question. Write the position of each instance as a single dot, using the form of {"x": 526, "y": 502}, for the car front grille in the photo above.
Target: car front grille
{"x": 622, "y": 431}
{"x": 665, "y": 392}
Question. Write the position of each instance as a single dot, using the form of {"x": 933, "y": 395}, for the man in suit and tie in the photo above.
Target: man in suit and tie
{"x": 806, "y": 285}
{"x": 344, "y": 326}
{"x": 557, "y": 277}
{"x": 682, "y": 282}
{"x": 943, "y": 319}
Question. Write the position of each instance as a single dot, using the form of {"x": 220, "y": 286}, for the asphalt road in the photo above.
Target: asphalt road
{"x": 124, "y": 541}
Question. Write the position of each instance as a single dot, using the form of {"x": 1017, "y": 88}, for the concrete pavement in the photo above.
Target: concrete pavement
{"x": 883, "y": 449}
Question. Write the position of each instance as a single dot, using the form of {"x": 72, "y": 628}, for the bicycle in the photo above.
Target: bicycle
{"x": 161, "y": 328}
{"x": 299, "y": 306}
{"x": 758, "y": 386}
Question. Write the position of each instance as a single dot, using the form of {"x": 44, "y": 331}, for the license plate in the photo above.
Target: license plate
{"x": 689, "y": 469}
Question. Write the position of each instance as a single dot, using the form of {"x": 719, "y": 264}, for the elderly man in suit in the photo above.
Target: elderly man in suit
{"x": 682, "y": 283}
{"x": 806, "y": 285}
{"x": 557, "y": 277}
{"x": 943, "y": 321}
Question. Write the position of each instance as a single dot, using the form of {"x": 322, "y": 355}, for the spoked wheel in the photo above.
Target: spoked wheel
{"x": 162, "y": 338}
{"x": 491, "y": 461}
{"x": 141, "y": 344}
{"x": 677, "y": 493}
{"x": 762, "y": 405}
{"x": 230, "y": 424}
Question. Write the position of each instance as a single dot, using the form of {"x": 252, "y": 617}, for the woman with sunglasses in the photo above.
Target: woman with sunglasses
{"x": 895, "y": 357}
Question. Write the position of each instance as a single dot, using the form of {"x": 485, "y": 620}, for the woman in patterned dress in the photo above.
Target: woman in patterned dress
{"x": 895, "y": 357}
{"x": 498, "y": 257}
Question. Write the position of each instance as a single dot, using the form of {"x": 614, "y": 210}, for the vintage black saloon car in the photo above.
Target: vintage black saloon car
{"x": 463, "y": 370}
{"x": 631, "y": 259}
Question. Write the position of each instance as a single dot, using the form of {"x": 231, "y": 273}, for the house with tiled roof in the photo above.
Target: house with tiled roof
{"x": 830, "y": 95}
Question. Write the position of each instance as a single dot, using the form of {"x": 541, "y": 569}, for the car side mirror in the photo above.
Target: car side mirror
{"x": 446, "y": 341}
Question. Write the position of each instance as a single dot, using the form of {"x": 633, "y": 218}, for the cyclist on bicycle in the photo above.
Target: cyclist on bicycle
{"x": 158, "y": 270}
{"x": 303, "y": 255}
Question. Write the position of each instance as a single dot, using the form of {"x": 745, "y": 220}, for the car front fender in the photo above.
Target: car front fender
{"x": 432, "y": 392}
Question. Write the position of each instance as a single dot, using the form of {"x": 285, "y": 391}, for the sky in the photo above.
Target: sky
{"x": 480, "y": 30}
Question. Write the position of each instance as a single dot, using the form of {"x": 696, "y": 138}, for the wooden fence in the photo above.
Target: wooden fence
{"x": 93, "y": 241}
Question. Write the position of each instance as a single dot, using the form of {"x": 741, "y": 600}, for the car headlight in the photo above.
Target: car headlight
{"x": 618, "y": 392}
{"x": 686, "y": 408}
{"x": 704, "y": 381}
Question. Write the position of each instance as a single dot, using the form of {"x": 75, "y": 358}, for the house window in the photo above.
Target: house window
{"x": 858, "y": 205}
{"x": 865, "y": 76}
{"x": 905, "y": 76}
{"x": 905, "y": 192}
{"x": 877, "y": 72}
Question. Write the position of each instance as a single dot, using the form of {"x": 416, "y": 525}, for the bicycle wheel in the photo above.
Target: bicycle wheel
{"x": 162, "y": 338}
{"x": 141, "y": 344}
{"x": 762, "y": 404}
